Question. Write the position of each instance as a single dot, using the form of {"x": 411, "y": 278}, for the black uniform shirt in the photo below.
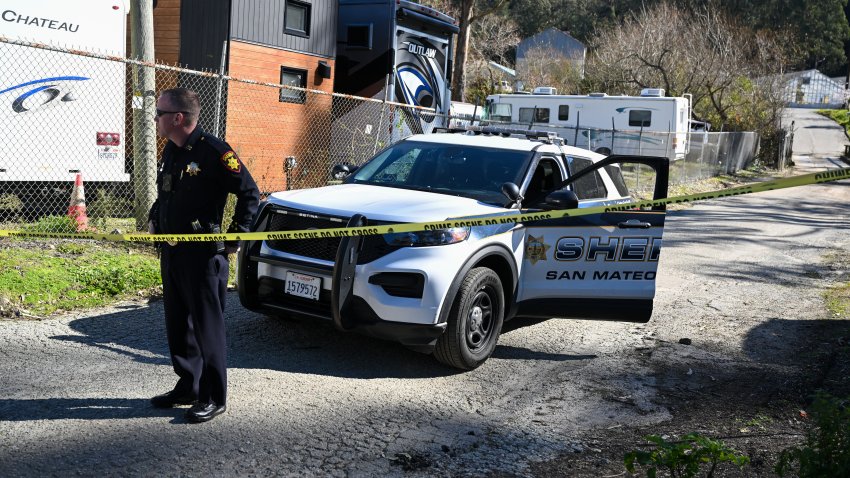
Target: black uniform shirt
{"x": 193, "y": 183}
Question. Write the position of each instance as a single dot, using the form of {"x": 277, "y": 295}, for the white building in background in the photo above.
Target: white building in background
{"x": 556, "y": 43}
{"x": 811, "y": 88}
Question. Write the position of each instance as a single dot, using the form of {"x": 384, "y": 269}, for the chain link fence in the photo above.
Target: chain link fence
{"x": 68, "y": 113}
{"x": 694, "y": 155}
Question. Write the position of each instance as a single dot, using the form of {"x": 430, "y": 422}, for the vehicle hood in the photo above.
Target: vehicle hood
{"x": 382, "y": 203}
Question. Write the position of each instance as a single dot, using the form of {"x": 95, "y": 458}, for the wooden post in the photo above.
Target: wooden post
{"x": 144, "y": 109}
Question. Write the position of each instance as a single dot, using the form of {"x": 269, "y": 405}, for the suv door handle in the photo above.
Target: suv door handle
{"x": 633, "y": 224}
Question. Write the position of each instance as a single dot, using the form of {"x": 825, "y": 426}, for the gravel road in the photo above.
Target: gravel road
{"x": 741, "y": 277}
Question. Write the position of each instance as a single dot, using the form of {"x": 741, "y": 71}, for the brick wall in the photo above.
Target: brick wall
{"x": 263, "y": 130}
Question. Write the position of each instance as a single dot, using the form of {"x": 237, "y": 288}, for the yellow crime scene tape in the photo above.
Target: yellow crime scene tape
{"x": 802, "y": 180}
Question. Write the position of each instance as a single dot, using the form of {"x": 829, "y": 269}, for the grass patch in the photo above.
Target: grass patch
{"x": 837, "y": 300}
{"x": 841, "y": 117}
{"x": 837, "y": 297}
{"x": 45, "y": 277}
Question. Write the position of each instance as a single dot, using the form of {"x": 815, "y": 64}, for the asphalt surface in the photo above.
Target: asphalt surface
{"x": 735, "y": 275}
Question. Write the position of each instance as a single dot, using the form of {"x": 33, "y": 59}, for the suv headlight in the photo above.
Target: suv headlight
{"x": 439, "y": 237}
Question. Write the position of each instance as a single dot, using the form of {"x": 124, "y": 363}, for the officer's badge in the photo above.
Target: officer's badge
{"x": 193, "y": 169}
{"x": 231, "y": 162}
{"x": 535, "y": 249}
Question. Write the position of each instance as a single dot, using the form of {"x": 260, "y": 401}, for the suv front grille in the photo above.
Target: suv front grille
{"x": 324, "y": 249}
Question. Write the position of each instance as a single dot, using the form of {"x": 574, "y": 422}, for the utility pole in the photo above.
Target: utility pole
{"x": 144, "y": 108}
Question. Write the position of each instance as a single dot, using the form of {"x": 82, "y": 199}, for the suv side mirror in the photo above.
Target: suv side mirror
{"x": 342, "y": 171}
{"x": 511, "y": 191}
{"x": 562, "y": 199}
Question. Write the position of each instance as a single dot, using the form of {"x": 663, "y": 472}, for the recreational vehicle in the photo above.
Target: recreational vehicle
{"x": 399, "y": 51}
{"x": 62, "y": 113}
{"x": 647, "y": 125}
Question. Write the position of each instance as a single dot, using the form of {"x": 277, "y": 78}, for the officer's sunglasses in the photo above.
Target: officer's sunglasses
{"x": 160, "y": 113}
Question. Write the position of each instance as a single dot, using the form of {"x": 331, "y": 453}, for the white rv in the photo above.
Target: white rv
{"x": 647, "y": 125}
{"x": 464, "y": 114}
{"x": 62, "y": 113}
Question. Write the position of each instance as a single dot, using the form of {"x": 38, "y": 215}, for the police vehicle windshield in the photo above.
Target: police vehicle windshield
{"x": 459, "y": 170}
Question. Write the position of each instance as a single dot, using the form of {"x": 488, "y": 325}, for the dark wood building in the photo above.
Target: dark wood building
{"x": 274, "y": 41}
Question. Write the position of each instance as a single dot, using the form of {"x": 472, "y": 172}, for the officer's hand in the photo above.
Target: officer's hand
{"x": 151, "y": 228}
{"x": 231, "y": 249}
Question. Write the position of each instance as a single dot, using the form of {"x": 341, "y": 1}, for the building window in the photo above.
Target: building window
{"x": 292, "y": 77}
{"x": 642, "y": 118}
{"x": 297, "y": 18}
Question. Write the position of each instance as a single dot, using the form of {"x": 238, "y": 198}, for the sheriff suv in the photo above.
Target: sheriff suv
{"x": 448, "y": 291}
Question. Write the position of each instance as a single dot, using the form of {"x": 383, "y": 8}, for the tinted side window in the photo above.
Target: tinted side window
{"x": 589, "y": 186}
{"x": 617, "y": 177}
{"x": 541, "y": 115}
{"x": 640, "y": 118}
{"x": 563, "y": 112}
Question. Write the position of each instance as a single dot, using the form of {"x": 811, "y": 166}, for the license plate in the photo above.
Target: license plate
{"x": 302, "y": 285}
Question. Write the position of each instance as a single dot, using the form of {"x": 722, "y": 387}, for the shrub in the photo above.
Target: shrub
{"x": 106, "y": 205}
{"x": 10, "y": 203}
{"x": 52, "y": 224}
{"x": 683, "y": 458}
{"x": 826, "y": 451}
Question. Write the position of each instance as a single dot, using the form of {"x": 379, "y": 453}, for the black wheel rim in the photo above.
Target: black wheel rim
{"x": 479, "y": 320}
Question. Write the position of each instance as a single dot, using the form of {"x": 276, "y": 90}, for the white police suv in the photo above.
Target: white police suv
{"x": 449, "y": 291}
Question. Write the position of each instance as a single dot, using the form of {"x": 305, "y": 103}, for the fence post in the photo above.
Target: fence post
{"x": 218, "y": 90}
{"x": 144, "y": 132}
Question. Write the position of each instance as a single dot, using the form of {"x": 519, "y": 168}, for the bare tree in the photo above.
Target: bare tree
{"x": 467, "y": 12}
{"x": 728, "y": 68}
{"x": 482, "y": 37}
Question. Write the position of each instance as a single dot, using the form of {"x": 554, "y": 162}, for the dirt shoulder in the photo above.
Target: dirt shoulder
{"x": 750, "y": 407}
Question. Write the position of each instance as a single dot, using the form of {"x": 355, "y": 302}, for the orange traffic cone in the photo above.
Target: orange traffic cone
{"x": 77, "y": 208}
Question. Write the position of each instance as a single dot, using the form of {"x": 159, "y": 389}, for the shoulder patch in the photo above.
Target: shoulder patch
{"x": 231, "y": 162}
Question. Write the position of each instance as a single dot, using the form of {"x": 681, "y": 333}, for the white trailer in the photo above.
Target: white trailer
{"x": 62, "y": 113}
{"x": 464, "y": 114}
{"x": 648, "y": 125}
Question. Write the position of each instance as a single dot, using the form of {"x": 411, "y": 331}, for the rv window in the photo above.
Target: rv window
{"x": 541, "y": 115}
{"x": 589, "y": 186}
{"x": 563, "y": 112}
{"x": 500, "y": 112}
{"x": 292, "y": 77}
{"x": 297, "y": 18}
{"x": 640, "y": 118}
{"x": 360, "y": 36}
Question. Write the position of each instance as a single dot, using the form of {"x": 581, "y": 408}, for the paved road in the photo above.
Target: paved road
{"x": 739, "y": 275}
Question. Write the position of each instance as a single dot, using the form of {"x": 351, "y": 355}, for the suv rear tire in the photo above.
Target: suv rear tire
{"x": 475, "y": 321}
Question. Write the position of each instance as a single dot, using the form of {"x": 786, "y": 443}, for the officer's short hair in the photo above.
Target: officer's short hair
{"x": 186, "y": 100}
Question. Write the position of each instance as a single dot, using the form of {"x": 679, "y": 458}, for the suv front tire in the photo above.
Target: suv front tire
{"x": 475, "y": 321}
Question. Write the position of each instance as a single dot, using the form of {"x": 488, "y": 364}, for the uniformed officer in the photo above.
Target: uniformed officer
{"x": 197, "y": 172}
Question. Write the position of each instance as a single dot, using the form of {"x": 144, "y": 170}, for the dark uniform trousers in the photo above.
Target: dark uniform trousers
{"x": 194, "y": 284}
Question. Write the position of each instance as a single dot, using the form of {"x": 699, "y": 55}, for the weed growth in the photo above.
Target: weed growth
{"x": 826, "y": 451}
{"x": 684, "y": 458}
{"x": 49, "y": 224}
{"x": 106, "y": 205}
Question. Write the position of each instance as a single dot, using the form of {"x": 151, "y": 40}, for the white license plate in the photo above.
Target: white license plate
{"x": 302, "y": 285}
